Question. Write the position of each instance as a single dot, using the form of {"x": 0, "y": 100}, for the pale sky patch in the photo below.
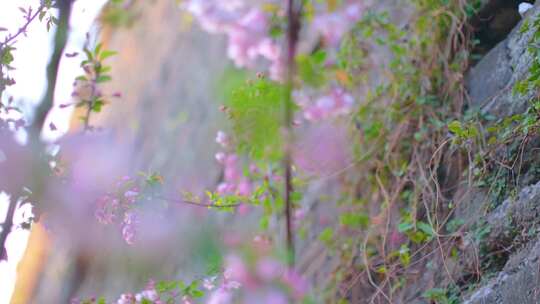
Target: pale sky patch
{"x": 31, "y": 58}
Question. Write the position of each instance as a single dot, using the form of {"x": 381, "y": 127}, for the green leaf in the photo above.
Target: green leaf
{"x": 97, "y": 105}
{"x": 89, "y": 55}
{"x": 7, "y": 56}
{"x": 319, "y": 57}
{"x": 98, "y": 49}
{"x": 255, "y": 111}
{"x": 311, "y": 69}
{"x": 354, "y": 220}
{"x": 264, "y": 222}
{"x": 455, "y": 127}
{"x": 105, "y": 69}
{"x": 427, "y": 229}
{"x": 327, "y": 235}
{"x": 106, "y": 54}
{"x": 103, "y": 78}
{"x": 436, "y": 294}
{"x": 296, "y": 196}
{"x": 166, "y": 286}
{"x": 454, "y": 224}
{"x": 405, "y": 226}
{"x": 196, "y": 293}
{"x": 404, "y": 255}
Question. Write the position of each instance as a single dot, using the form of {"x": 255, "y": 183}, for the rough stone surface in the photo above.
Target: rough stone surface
{"x": 489, "y": 83}
{"x": 515, "y": 217}
{"x": 515, "y": 223}
{"x": 482, "y": 86}
{"x": 518, "y": 282}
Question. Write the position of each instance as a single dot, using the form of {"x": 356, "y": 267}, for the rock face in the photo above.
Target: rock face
{"x": 512, "y": 235}
{"x": 519, "y": 280}
{"x": 490, "y": 82}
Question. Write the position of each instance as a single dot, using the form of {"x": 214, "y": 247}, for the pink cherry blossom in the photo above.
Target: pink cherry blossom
{"x": 296, "y": 282}
{"x": 126, "y": 298}
{"x": 223, "y": 139}
{"x": 128, "y": 229}
{"x": 235, "y": 270}
{"x": 150, "y": 294}
{"x": 269, "y": 269}
{"x": 276, "y": 297}
{"x": 244, "y": 187}
{"x": 246, "y": 28}
{"x": 336, "y": 102}
{"x": 209, "y": 283}
{"x": 221, "y": 296}
{"x": 323, "y": 150}
{"x": 333, "y": 26}
{"x": 220, "y": 157}
{"x": 225, "y": 188}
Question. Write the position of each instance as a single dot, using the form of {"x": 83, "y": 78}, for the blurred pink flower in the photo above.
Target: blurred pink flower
{"x": 223, "y": 139}
{"x": 235, "y": 270}
{"x": 126, "y": 298}
{"x": 232, "y": 168}
{"x": 149, "y": 294}
{"x": 16, "y": 164}
{"x": 209, "y": 283}
{"x": 322, "y": 149}
{"x": 225, "y": 188}
{"x": 247, "y": 29}
{"x": 298, "y": 284}
{"x": 269, "y": 269}
{"x": 220, "y": 296}
{"x": 243, "y": 209}
{"x": 276, "y": 297}
{"x": 333, "y": 26}
{"x": 335, "y": 103}
{"x": 220, "y": 157}
{"x": 253, "y": 169}
{"x": 128, "y": 229}
{"x": 244, "y": 187}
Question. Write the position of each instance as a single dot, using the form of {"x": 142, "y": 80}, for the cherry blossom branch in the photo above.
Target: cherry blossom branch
{"x": 293, "y": 29}
{"x": 194, "y": 203}
{"x": 22, "y": 30}
{"x": 10, "y": 38}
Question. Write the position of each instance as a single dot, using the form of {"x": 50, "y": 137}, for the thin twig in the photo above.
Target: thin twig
{"x": 23, "y": 29}
{"x": 7, "y": 225}
{"x": 10, "y": 38}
